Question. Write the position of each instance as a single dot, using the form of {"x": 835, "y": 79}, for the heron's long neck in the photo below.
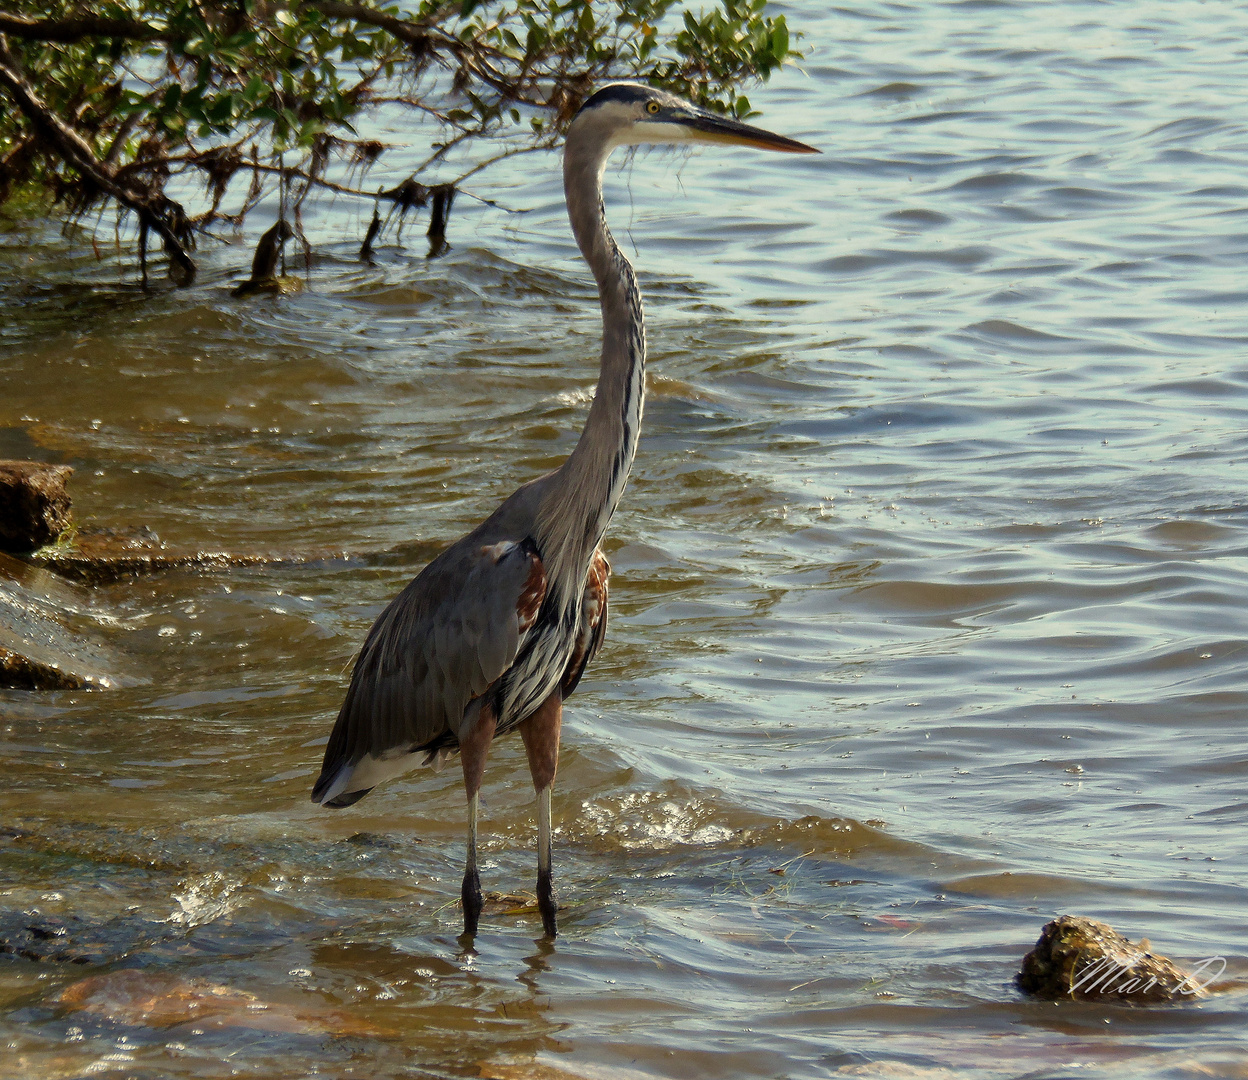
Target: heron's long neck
{"x": 589, "y": 484}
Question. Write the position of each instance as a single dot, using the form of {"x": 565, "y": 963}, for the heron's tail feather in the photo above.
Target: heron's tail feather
{"x": 330, "y": 787}
{"x": 347, "y": 798}
{"x": 343, "y": 783}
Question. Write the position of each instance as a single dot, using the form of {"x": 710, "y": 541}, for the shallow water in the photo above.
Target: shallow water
{"x": 929, "y": 591}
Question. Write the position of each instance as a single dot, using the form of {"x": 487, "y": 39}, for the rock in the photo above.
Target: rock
{"x": 49, "y": 639}
{"x": 497, "y": 903}
{"x": 278, "y": 285}
{"x": 374, "y": 840}
{"x": 1085, "y": 960}
{"x": 21, "y": 672}
{"x": 40, "y": 942}
{"x": 34, "y": 505}
{"x": 70, "y": 939}
{"x": 99, "y": 556}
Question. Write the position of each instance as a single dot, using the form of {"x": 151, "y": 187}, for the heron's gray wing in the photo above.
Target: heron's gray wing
{"x": 593, "y": 626}
{"x": 439, "y": 644}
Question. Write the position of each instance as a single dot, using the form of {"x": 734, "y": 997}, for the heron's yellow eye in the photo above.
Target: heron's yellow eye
{"x": 652, "y": 107}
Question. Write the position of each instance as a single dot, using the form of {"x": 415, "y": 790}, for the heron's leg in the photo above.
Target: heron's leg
{"x": 545, "y": 890}
{"x": 473, "y": 749}
{"x": 541, "y": 743}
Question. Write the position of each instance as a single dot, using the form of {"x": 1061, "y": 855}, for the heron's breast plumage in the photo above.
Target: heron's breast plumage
{"x": 544, "y": 656}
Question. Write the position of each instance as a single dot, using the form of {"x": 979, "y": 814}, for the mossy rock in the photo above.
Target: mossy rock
{"x": 1085, "y": 960}
{"x": 34, "y": 504}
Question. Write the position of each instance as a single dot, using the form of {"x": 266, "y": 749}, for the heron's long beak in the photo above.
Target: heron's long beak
{"x": 708, "y": 127}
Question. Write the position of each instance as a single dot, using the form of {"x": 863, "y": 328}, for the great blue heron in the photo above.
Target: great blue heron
{"x": 496, "y": 631}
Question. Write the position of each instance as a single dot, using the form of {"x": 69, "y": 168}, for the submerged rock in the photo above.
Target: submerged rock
{"x": 1087, "y": 960}
{"x": 34, "y": 504}
{"x": 522, "y": 903}
{"x": 278, "y": 285}
{"x": 98, "y": 556}
{"x": 72, "y": 939}
{"x": 159, "y": 1000}
{"x": 21, "y": 672}
{"x": 101, "y": 556}
{"x": 42, "y": 942}
{"x": 49, "y": 639}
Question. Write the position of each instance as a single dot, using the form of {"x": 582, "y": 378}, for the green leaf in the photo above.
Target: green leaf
{"x": 172, "y": 98}
{"x": 780, "y": 40}
{"x": 256, "y": 89}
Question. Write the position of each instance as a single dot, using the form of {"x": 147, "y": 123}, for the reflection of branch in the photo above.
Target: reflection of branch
{"x": 73, "y": 149}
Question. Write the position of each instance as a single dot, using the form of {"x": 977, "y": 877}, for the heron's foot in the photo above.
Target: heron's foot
{"x": 470, "y": 895}
{"x": 546, "y": 903}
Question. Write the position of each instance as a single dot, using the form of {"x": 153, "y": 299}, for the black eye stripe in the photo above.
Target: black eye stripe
{"x": 625, "y": 93}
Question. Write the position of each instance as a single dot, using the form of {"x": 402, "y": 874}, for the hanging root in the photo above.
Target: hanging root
{"x": 374, "y": 227}
{"x": 264, "y": 263}
{"x": 443, "y": 196}
{"x": 269, "y": 249}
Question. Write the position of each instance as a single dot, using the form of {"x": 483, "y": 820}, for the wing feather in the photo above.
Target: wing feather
{"x": 444, "y": 640}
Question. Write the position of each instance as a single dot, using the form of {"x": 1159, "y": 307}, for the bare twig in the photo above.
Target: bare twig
{"x": 412, "y": 33}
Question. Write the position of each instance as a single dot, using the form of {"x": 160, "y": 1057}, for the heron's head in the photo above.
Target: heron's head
{"x": 631, "y": 114}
